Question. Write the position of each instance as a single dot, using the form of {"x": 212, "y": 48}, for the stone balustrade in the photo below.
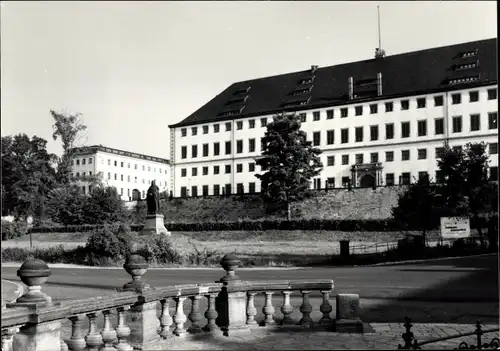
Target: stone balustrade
{"x": 139, "y": 317}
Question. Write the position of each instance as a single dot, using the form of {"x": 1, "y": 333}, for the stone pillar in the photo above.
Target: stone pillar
{"x": 347, "y": 319}
{"x": 231, "y": 306}
{"x": 39, "y": 337}
{"x": 154, "y": 225}
{"x": 144, "y": 323}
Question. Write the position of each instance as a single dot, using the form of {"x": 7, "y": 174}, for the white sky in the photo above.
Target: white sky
{"x": 132, "y": 68}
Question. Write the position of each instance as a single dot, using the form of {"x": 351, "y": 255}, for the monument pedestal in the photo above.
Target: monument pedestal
{"x": 154, "y": 225}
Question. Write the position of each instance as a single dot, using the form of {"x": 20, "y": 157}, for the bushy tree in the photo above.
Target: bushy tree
{"x": 65, "y": 205}
{"x": 103, "y": 205}
{"x": 289, "y": 161}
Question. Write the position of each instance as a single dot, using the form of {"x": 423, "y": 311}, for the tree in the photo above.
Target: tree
{"x": 290, "y": 162}
{"x": 27, "y": 175}
{"x": 70, "y": 128}
{"x": 65, "y": 205}
{"x": 103, "y": 205}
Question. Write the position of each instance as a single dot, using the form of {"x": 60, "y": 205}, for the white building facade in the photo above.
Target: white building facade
{"x": 372, "y": 139}
{"x": 130, "y": 173}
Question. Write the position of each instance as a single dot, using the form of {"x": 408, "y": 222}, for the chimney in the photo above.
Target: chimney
{"x": 379, "y": 84}
{"x": 351, "y": 88}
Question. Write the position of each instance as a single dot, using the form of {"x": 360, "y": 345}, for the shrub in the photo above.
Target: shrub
{"x": 159, "y": 249}
{"x": 109, "y": 244}
{"x": 14, "y": 229}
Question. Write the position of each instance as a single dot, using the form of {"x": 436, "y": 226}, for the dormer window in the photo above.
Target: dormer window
{"x": 466, "y": 66}
{"x": 307, "y": 80}
{"x": 464, "y": 80}
{"x": 467, "y": 54}
{"x": 298, "y": 92}
{"x": 242, "y": 91}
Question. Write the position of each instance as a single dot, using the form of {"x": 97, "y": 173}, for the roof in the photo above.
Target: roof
{"x": 86, "y": 150}
{"x": 436, "y": 69}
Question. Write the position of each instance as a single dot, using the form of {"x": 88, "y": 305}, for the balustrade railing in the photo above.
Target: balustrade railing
{"x": 128, "y": 319}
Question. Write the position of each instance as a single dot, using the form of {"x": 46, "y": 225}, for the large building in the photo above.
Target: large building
{"x": 380, "y": 121}
{"x": 130, "y": 173}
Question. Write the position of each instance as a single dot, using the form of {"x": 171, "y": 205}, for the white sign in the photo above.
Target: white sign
{"x": 455, "y": 227}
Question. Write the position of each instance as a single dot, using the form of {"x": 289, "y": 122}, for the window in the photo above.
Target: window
{"x": 216, "y": 149}
{"x": 456, "y": 98}
{"x": 329, "y": 114}
{"x": 216, "y": 128}
{"x": 439, "y": 177}
{"x": 493, "y": 120}
{"x": 359, "y": 134}
{"x": 183, "y": 191}
{"x": 183, "y": 173}
{"x": 239, "y": 188}
{"x": 216, "y": 169}
{"x": 251, "y": 145}
{"x": 423, "y": 175}
{"x": 227, "y": 189}
{"x": 405, "y": 178}
{"x": 457, "y": 124}
{"x": 194, "y": 131}
{"x": 421, "y": 102}
{"x": 475, "y": 123}
{"x": 116, "y": 176}
{"x": 316, "y": 116}
{"x": 330, "y": 183}
{"x": 263, "y": 122}
{"x": 359, "y": 158}
{"x": 494, "y": 173}
{"x": 344, "y": 136}
{"x": 422, "y": 128}
{"x": 228, "y": 147}
{"x": 194, "y": 151}
{"x": 405, "y": 129}
{"x": 205, "y": 150}
{"x": 317, "y": 183}
{"x": 330, "y": 137}
{"x": 135, "y": 166}
{"x": 303, "y": 117}
{"x": 343, "y": 112}
{"x": 493, "y": 148}
{"x": 77, "y": 162}
{"x": 128, "y": 179}
{"x": 239, "y": 125}
{"x": 346, "y": 181}
{"x": 439, "y": 152}
{"x": 422, "y": 154}
{"x": 345, "y": 159}
{"x": 228, "y": 126}
{"x": 389, "y": 179}
{"x": 121, "y": 177}
{"x": 227, "y": 169}
{"x": 389, "y": 156}
{"x": 473, "y": 96}
{"x": 251, "y": 167}
{"x": 216, "y": 189}
{"x": 205, "y": 190}
{"x": 116, "y": 165}
{"x": 239, "y": 168}
{"x": 492, "y": 94}
{"x": 389, "y": 131}
{"x": 405, "y": 155}
{"x": 457, "y": 148}
{"x": 128, "y": 165}
{"x": 194, "y": 171}
{"x": 239, "y": 146}
{"x": 194, "y": 191}
{"x": 358, "y": 110}
{"x": 373, "y": 133}
{"x": 251, "y": 123}
{"x": 135, "y": 178}
{"x": 183, "y": 132}
{"x": 109, "y": 175}
{"x": 251, "y": 188}
{"x": 205, "y": 170}
{"x": 84, "y": 161}
{"x": 143, "y": 167}
{"x": 316, "y": 138}
{"x": 389, "y": 106}
{"x": 405, "y": 104}
{"x": 330, "y": 161}
{"x": 262, "y": 144}
{"x": 438, "y": 100}
{"x": 109, "y": 162}
{"x": 205, "y": 129}
{"x": 373, "y": 109}
{"x": 374, "y": 157}
{"x": 439, "y": 126}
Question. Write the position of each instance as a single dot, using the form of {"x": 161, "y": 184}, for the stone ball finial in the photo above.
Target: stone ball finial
{"x": 230, "y": 262}
{"x": 135, "y": 265}
{"x": 34, "y": 273}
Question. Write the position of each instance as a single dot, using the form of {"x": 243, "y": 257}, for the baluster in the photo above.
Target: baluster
{"x": 211, "y": 314}
{"x": 123, "y": 330}
{"x": 326, "y": 308}
{"x": 8, "y": 338}
{"x": 77, "y": 341}
{"x": 287, "y": 308}
{"x": 179, "y": 317}
{"x": 64, "y": 346}
{"x": 165, "y": 319}
{"x": 268, "y": 309}
{"x": 93, "y": 338}
{"x": 306, "y": 309}
{"x": 195, "y": 315}
{"x": 108, "y": 332}
{"x": 251, "y": 310}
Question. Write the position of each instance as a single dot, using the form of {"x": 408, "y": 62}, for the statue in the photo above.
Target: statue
{"x": 153, "y": 199}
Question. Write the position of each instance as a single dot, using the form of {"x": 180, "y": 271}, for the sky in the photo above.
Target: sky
{"x": 132, "y": 68}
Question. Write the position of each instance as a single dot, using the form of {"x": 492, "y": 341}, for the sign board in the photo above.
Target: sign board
{"x": 455, "y": 227}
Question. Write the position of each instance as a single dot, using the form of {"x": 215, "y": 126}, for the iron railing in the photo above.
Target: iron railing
{"x": 411, "y": 342}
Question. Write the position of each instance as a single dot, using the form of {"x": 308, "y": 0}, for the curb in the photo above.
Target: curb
{"x": 423, "y": 260}
{"x": 18, "y": 292}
